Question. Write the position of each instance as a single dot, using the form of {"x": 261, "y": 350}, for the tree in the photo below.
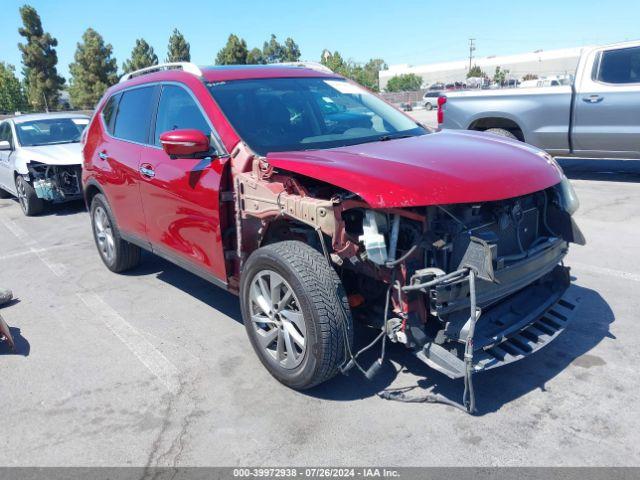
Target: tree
{"x": 476, "y": 72}
{"x": 12, "y": 97}
{"x": 404, "y": 83}
{"x": 142, "y": 56}
{"x": 500, "y": 76}
{"x": 39, "y": 57}
{"x": 530, "y": 76}
{"x": 255, "y": 57}
{"x": 93, "y": 71}
{"x": 371, "y": 73}
{"x": 291, "y": 51}
{"x": 179, "y": 49}
{"x": 273, "y": 51}
{"x": 234, "y": 52}
{"x": 335, "y": 62}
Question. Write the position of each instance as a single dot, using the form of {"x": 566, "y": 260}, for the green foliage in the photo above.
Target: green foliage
{"x": 530, "y": 76}
{"x": 404, "y": 83}
{"x": 142, "y": 56}
{"x": 476, "y": 71}
{"x": 12, "y": 97}
{"x": 234, "y": 52}
{"x": 291, "y": 51}
{"x": 366, "y": 75}
{"x": 179, "y": 49}
{"x": 93, "y": 71}
{"x": 39, "y": 57}
{"x": 255, "y": 57}
{"x": 500, "y": 76}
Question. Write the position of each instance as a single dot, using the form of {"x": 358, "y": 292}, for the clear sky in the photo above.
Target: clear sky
{"x": 399, "y": 31}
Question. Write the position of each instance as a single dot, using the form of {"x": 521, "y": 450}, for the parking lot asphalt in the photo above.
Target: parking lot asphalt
{"x": 154, "y": 367}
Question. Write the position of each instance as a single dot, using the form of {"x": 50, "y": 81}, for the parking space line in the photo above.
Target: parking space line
{"x": 134, "y": 340}
{"x": 24, "y": 253}
{"x": 144, "y": 351}
{"x": 610, "y": 272}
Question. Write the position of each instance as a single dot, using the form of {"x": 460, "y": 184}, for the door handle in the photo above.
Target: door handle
{"x": 103, "y": 155}
{"x": 147, "y": 171}
{"x": 592, "y": 99}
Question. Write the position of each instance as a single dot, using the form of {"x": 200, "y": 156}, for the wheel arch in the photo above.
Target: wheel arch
{"x": 485, "y": 123}
{"x": 91, "y": 189}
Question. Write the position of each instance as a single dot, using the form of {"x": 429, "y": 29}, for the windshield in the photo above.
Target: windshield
{"x": 51, "y": 131}
{"x": 281, "y": 114}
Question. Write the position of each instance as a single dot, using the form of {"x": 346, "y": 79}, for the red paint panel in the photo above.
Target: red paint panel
{"x": 439, "y": 168}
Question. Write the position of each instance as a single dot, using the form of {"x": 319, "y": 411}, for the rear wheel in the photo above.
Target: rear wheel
{"x": 296, "y": 313}
{"x": 428, "y": 106}
{"x": 29, "y": 201}
{"x": 117, "y": 254}
{"x": 502, "y": 132}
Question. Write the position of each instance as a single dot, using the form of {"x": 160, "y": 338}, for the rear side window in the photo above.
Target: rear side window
{"x": 109, "y": 110}
{"x": 134, "y": 115}
{"x": 5, "y": 133}
{"x": 620, "y": 66}
{"x": 178, "y": 110}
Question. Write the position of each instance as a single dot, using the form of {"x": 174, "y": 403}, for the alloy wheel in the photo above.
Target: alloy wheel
{"x": 22, "y": 195}
{"x": 277, "y": 319}
{"x": 104, "y": 234}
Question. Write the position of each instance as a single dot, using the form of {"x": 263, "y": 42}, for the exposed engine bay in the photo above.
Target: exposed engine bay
{"x": 56, "y": 183}
{"x": 466, "y": 287}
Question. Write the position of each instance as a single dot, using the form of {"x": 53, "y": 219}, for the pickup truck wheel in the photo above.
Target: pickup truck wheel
{"x": 502, "y": 132}
{"x": 29, "y": 201}
{"x": 296, "y": 313}
{"x": 117, "y": 254}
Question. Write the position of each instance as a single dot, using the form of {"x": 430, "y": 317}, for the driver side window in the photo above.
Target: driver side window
{"x": 178, "y": 110}
{"x": 5, "y": 133}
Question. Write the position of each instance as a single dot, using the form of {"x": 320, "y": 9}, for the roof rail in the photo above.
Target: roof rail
{"x": 311, "y": 65}
{"x": 184, "y": 66}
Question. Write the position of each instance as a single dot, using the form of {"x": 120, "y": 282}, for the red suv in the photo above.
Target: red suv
{"x": 322, "y": 206}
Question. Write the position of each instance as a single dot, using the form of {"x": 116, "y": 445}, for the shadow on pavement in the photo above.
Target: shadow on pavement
{"x": 494, "y": 388}
{"x": 602, "y": 170}
{"x": 22, "y": 346}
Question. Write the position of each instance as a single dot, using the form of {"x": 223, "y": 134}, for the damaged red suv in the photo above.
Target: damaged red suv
{"x": 321, "y": 205}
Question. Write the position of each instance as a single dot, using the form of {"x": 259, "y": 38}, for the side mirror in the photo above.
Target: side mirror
{"x": 186, "y": 143}
{"x": 4, "y": 145}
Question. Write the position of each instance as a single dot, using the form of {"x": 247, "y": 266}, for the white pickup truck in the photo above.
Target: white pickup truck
{"x": 596, "y": 117}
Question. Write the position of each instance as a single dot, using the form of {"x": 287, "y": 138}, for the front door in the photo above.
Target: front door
{"x": 607, "y": 108}
{"x": 180, "y": 197}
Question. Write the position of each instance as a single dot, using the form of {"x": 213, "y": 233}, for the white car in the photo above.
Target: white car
{"x": 41, "y": 159}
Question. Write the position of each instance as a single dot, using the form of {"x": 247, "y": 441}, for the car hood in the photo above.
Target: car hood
{"x": 435, "y": 169}
{"x": 62, "y": 154}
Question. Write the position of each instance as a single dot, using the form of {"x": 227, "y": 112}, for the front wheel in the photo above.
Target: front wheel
{"x": 296, "y": 313}
{"x": 29, "y": 202}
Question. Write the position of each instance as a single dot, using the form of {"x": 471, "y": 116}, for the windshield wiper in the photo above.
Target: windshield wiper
{"x": 385, "y": 138}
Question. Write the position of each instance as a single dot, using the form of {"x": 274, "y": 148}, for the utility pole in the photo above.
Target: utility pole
{"x": 472, "y": 48}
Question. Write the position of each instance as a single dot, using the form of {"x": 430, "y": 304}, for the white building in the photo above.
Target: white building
{"x": 541, "y": 63}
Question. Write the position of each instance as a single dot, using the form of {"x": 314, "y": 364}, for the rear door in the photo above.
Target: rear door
{"x": 181, "y": 196}
{"x": 6, "y": 164}
{"x": 607, "y": 107}
{"x": 127, "y": 121}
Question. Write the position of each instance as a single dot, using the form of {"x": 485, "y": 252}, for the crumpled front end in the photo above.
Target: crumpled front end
{"x": 56, "y": 183}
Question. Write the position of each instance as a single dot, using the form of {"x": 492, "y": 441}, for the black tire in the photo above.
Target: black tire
{"x": 4, "y": 194}
{"x": 502, "y": 132}
{"x": 126, "y": 255}
{"x": 29, "y": 202}
{"x": 320, "y": 298}
{"x": 428, "y": 106}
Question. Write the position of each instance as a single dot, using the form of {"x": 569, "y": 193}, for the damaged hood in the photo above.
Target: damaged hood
{"x": 435, "y": 169}
{"x": 62, "y": 154}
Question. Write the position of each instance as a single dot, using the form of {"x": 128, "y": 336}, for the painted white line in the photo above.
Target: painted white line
{"x": 609, "y": 272}
{"x": 150, "y": 357}
{"x": 58, "y": 269}
{"x": 24, "y": 253}
{"x": 134, "y": 340}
